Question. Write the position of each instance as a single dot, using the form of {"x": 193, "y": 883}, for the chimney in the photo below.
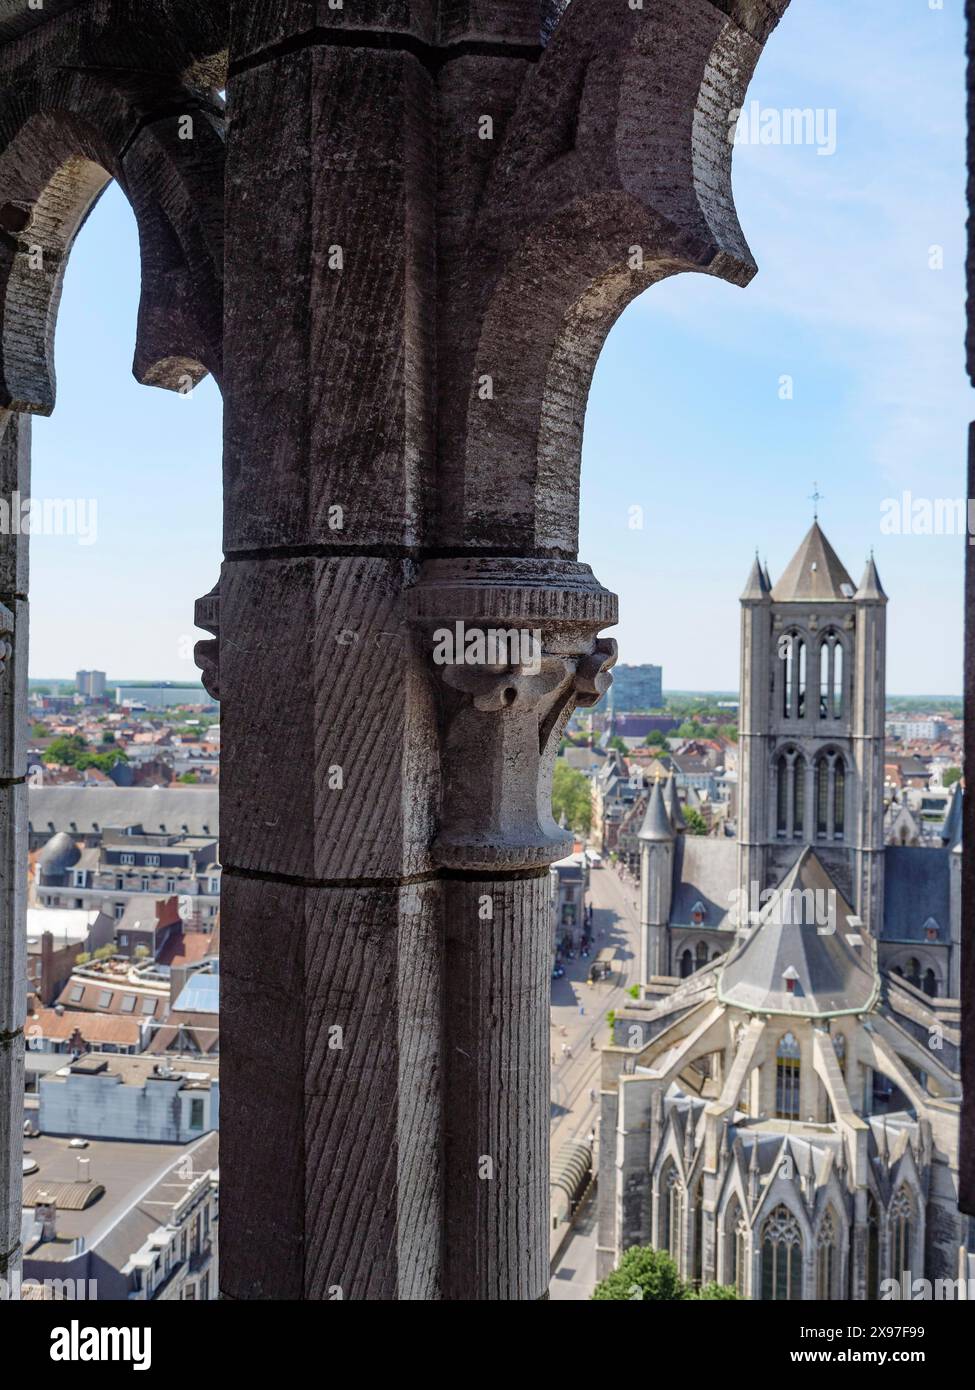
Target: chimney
{"x": 84, "y": 1170}
{"x": 46, "y": 1212}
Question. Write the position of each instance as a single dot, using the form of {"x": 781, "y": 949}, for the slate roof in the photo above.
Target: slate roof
{"x": 706, "y": 871}
{"x": 815, "y": 572}
{"x": 916, "y": 888}
{"x": 160, "y": 810}
{"x": 831, "y": 976}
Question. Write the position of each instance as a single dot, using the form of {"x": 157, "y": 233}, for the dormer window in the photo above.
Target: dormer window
{"x": 698, "y": 913}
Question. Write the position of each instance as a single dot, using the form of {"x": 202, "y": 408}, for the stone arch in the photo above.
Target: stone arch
{"x": 56, "y": 158}
{"x": 831, "y": 674}
{"x": 782, "y": 1255}
{"x": 577, "y": 220}
{"x": 916, "y": 965}
{"x": 791, "y": 770}
{"x": 831, "y": 784}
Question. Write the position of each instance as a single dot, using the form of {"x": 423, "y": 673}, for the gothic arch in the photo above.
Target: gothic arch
{"x": 791, "y": 772}
{"x": 57, "y": 154}
{"x": 831, "y": 784}
{"x": 577, "y": 221}
{"x": 920, "y": 968}
{"x": 831, "y": 674}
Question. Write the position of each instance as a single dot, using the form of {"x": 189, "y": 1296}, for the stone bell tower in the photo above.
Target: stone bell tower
{"x": 813, "y": 653}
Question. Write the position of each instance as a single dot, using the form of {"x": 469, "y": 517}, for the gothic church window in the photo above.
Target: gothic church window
{"x": 787, "y": 1077}
{"x": 830, "y": 796}
{"x": 781, "y": 1257}
{"x": 901, "y": 1219}
{"x": 671, "y": 1203}
{"x": 826, "y": 1258}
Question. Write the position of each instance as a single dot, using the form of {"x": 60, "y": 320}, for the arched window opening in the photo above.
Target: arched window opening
{"x": 790, "y": 795}
{"x": 697, "y": 1254}
{"x": 914, "y": 972}
{"x": 800, "y": 678}
{"x": 826, "y": 1264}
{"x": 788, "y": 682}
{"x": 837, "y": 650}
{"x": 930, "y": 984}
{"x": 701, "y": 955}
{"x": 736, "y": 1249}
{"x": 830, "y": 796}
{"x": 839, "y": 1047}
{"x": 782, "y": 796}
{"x": 670, "y": 1212}
{"x": 901, "y": 1230}
{"x": 686, "y": 964}
{"x": 781, "y": 1257}
{"x": 824, "y": 679}
{"x": 799, "y": 799}
{"x": 787, "y": 1077}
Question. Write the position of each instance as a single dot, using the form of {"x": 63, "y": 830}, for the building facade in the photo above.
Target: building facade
{"x": 785, "y": 1119}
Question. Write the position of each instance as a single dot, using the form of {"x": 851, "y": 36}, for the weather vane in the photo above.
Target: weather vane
{"x": 815, "y": 498}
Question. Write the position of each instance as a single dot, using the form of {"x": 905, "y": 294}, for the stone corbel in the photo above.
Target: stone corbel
{"x": 501, "y": 721}
{"x": 206, "y": 654}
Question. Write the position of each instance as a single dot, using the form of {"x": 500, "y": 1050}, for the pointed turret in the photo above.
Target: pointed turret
{"x": 871, "y": 590}
{"x": 757, "y": 586}
{"x": 672, "y": 803}
{"x": 656, "y": 823}
{"x": 814, "y": 574}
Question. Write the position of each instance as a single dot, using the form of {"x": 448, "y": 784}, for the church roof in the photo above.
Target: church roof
{"x": 917, "y": 886}
{"x": 672, "y": 803}
{"x": 870, "y": 585}
{"x": 656, "y": 823}
{"x": 756, "y": 585}
{"x": 830, "y": 977}
{"x": 814, "y": 574}
{"x": 707, "y": 875}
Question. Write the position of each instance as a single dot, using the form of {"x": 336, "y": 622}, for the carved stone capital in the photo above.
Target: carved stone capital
{"x": 206, "y": 654}
{"x": 513, "y": 647}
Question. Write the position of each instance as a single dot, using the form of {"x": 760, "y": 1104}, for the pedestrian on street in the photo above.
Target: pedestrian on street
{"x": 568, "y": 1051}
{"x": 592, "y": 1094}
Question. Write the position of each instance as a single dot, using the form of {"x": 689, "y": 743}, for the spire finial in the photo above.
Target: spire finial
{"x": 815, "y": 498}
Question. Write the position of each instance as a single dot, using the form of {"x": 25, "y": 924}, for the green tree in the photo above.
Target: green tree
{"x": 695, "y": 822}
{"x": 192, "y": 777}
{"x": 643, "y": 1273}
{"x": 655, "y": 739}
{"x": 66, "y": 750}
{"x": 570, "y": 797}
{"x": 39, "y": 731}
{"x": 713, "y": 1292}
{"x": 950, "y": 776}
{"x": 617, "y": 743}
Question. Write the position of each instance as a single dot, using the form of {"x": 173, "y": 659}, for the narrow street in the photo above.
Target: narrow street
{"x": 579, "y": 1025}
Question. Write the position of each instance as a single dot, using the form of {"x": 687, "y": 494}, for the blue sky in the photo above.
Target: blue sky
{"x": 685, "y": 418}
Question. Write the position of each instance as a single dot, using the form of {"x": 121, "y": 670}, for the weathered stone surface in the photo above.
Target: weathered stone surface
{"x": 498, "y": 966}
{"x": 342, "y": 785}
{"x": 330, "y": 1083}
{"x": 484, "y": 169}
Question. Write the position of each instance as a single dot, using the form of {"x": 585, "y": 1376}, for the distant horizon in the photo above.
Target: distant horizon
{"x": 702, "y": 692}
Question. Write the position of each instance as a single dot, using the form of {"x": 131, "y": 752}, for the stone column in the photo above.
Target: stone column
{"x": 14, "y": 479}
{"x": 432, "y": 223}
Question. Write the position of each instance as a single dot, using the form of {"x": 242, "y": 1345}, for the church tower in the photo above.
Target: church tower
{"x": 811, "y": 735}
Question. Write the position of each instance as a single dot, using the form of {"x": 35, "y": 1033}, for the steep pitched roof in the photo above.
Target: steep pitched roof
{"x": 830, "y": 977}
{"x": 815, "y": 573}
{"x": 656, "y": 824}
